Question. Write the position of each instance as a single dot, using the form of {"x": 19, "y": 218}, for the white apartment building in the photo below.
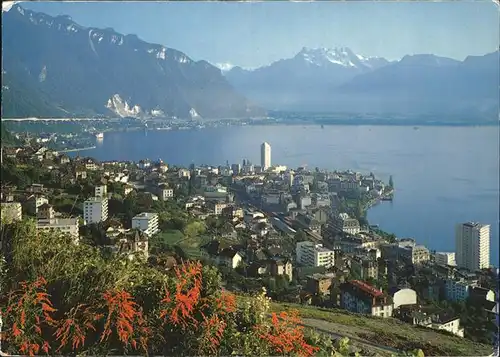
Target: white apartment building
{"x": 419, "y": 254}
{"x": 472, "y": 245}
{"x": 10, "y": 212}
{"x": 146, "y": 222}
{"x": 183, "y": 173}
{"x": 346, "y": 224}
{"x": 265, "y": 156}
{"x": 64, "y": 225}
{"x": 218, "y": 207}
{"x": 166, "y": 193}
{"x": 445, "y": 258}
{"x": 314, "y": 255}
{"x": 101, "y": 191}
{"x": 35, "y": 201}
{"x": 95, "y": 210}
{"x": 305, "y": 201}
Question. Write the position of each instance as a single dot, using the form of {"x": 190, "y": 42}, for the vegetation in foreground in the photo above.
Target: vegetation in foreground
{"x": 58, "y": 297}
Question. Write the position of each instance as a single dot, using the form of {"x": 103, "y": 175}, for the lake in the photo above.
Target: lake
{"x": 442, "y": 175}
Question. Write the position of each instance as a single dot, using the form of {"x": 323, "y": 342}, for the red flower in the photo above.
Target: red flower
{"x": 29, "y": 312}
{"x": 75, "y": 327}
{"x": 125, "y": 319}
{"x": 286, "y": 335}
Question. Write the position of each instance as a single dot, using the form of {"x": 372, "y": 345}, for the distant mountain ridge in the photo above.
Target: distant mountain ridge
{"x": 303, "y": 78}
{"x": 338, "y": 80}
{"x": 54, "y": 67}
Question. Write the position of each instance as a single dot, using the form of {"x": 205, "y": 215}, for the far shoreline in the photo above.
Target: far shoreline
{"x": 275, "y": 121}
{"x": 77, "y": 149}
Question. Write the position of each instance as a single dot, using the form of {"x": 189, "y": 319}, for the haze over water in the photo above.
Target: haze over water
{"x": 442, "y": 175}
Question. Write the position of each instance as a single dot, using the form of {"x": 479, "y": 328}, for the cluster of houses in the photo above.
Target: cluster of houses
{"x": 34, "y": 200}
{"x": 290, "y": 201}
{"x": 95, "y": 210}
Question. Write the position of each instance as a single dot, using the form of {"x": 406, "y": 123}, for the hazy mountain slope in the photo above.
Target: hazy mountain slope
{"x": 301, "y": 80}
{"x": 338, "y": 80}
{"x": 426, "y": 84}
{"x": 93, "y": 71}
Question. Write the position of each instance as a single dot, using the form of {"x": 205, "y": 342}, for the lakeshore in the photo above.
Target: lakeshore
{"x": 433, "y": 192}
{"x": 77, "y": 149}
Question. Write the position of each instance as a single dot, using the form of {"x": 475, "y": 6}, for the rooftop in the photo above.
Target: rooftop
{"x": 96, "y": 199}
{"x": 57, "y": 222}
{"x": 475, "y": 225}
{"x": 366, "y": 288}
{"x": 145, "y": 215}
{"x": 319, "y": 276}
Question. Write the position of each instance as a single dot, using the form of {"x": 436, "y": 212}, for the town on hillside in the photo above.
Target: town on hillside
{"x": 301, "y": 233}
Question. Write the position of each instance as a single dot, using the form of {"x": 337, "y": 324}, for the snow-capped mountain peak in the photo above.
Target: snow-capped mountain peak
{"x": 224, "y": 67}
{"x": 320, "y": 56}
{"x": 342, "y": 56}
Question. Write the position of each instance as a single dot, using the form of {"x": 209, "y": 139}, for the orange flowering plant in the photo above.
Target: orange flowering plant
{"x": 124, "y": 320}
{"x": 90, "y": 303}
{"x": 285, "y": 336}
{"x": 190, "y": 311}
{"x": 28, "y": 317}
{"x": 74, "y": 328}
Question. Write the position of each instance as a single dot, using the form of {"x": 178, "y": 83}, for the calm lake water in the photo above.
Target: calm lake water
{"x": 442, "y": 175}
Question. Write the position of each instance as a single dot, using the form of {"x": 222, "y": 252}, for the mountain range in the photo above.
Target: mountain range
{"x": 53, "y": 67}
{"x": 338, "y": 80}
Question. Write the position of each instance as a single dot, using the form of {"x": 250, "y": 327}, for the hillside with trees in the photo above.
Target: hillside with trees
{"x": 62, "y": 298}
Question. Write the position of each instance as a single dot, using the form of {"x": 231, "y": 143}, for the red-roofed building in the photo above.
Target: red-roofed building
{"x": 358, "y": 296}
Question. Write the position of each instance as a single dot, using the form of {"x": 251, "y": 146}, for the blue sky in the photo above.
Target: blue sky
{"x": 255, "y": 34}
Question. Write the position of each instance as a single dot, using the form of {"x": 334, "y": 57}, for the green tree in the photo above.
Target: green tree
{"x": 300, "y": 236}
{"x": 391, "y": 182}
{"x": 359, "y": 211}
{"x": 194, "y": 229}
{"x": 391, "y": 238}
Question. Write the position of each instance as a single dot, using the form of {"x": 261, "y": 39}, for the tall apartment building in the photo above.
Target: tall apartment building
{"x": 314, "y": 255}
{"x": 265, "y": 156}
{"x": 101, "y": 191}
{"x": 445, "y": 258}
{"x": 146, "y": 222}
{"x": 95, "y": 210}
{"x": 472, "y": 242}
